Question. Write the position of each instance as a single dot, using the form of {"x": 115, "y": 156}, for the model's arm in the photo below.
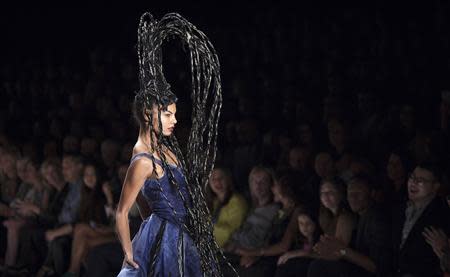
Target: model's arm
{"x": 137, "y": 173}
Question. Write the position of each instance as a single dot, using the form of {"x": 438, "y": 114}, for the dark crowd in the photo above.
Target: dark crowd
{"x": 333, "y": 154}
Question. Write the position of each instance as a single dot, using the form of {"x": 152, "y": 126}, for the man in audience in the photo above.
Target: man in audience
{"x": 370, "y": 253}
{"x": 424, "y": 209}
{"x": 254, "y": 232}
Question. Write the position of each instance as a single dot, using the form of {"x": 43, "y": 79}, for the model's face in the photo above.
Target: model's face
{"x": 90, "y": 177}
{"x": 168, "y": 119}
{"x": 219, "y": 182}
{"x": 421, "y": 184}
{"x": 358, "y": 196}
{"x": 305, "y": 225}
{"x": 330, "y": 196}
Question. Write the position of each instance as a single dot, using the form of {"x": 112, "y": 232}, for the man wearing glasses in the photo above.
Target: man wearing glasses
{"x": 423, "y": 210}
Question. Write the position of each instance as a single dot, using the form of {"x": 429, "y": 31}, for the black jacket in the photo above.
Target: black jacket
{"x": 416, "y": 256}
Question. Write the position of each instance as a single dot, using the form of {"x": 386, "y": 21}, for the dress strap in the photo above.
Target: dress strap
{"x": 144, "y": 154}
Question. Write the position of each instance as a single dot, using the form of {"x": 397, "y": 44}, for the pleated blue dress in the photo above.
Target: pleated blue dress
{"x": 162, "y": 247}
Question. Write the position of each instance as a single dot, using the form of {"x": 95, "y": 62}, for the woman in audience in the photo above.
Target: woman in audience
{"x": 32, "y": 195}
{"x": 91, "y": 215}
{"x": 94, "y": 227}
{"x": 335, "y": 219}
{"x": 228, "y": 208}
{"x": 283, "y": 231}
{"x": 295, "y": 262}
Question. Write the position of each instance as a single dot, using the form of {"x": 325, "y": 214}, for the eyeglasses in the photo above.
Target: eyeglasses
{"x": 420, "y": 180}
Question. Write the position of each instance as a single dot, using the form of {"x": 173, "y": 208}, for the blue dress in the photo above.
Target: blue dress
{"x": 162, "y": 247}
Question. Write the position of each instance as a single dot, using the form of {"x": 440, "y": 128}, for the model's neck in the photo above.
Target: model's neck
{"x": 146, "y": 137}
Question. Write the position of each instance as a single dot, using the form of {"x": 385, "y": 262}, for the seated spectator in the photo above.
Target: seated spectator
{"x": 296, "y": 261}
{"x": 32, "y": 195}
{"x": 339, "y": 138}
{"x": 55, "y": 223}
{"x": 228, "y": 208}
{"x": 424, "y": 209}
{"x": 93, "y": 226}
{"x": 283, "y": 233}
{"x": 334, "y": 217}
{"x": 324, "y": 170}
{"x": 8, "y": 180}
{"x": 397, "y": 169}
{"x": 255, "y": 231}
{"x": 369, "y": 254}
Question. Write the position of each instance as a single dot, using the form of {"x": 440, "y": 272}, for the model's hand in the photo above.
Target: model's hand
{"x": 130, "y": 261}
{"x": 437, "y": 239}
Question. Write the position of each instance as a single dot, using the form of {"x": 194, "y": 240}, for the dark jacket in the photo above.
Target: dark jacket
{"x": 416, "y": 257}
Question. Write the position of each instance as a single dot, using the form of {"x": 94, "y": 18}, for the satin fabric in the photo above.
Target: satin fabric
{"x": 162, "y": 247}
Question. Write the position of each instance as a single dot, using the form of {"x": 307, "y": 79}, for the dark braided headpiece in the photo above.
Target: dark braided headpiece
{"x": 206, "y": 96}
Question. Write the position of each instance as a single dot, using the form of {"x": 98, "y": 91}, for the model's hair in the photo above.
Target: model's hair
{"x": 206, "y": 95}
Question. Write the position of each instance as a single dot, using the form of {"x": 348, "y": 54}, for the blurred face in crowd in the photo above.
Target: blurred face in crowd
{"x": 90, "y": 176}
{"x": 260, "y": 183}
{"x": 109, "y": 151}
{"x": 298, "y": 158}
{"x": 407, "y": 116}
{"x": 126, "y": 152}
{"x": 358, "y": 196}
{"x": 8, "y": 163}
{"x": 52, "y": 175}
{"x": 219, "y": 182}
{"x": 277, "y": 195}
{"x": 422, "y": 185}
{"x": 395, "y": 168}
{"x": 336, "y": 133}
{"x": 324, "y": 165}
{"x": 330, "y": 196}
{"x": 71, "y": 169}
{"x": 70, "y": 144}
{"x": 21, "y": 166}
{"x": 31, "y": 172}
{"x": 88, "y": 146}
{"x": 306, "y": 225}
{"x": 50, "y": 149}
{"x": 247, "y": 131}
{"x": 305, "y": 134}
